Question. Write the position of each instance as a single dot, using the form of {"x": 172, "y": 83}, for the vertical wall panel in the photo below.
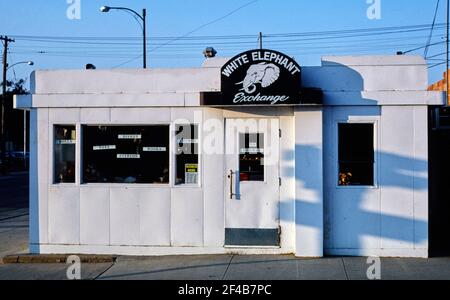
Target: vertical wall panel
{"x": 94, "y": 216}
{"x": 397, "y": 177}
{"x": 213, "y": 179}
{"x": 287, "y": 189}
{"x": 154, "y": 209}
{"x": 64, "y": 215}
{"x": 309, "y": 182}
{"x": 421, "y": 177}
{"x": 187, "y": 217}
{"x": 44, "y": 173}
{"x": 124, "y": 216}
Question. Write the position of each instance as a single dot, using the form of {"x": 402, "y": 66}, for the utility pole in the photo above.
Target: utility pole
{"x": 260, "y": 40}
{"x": 447, "y": 60}
{"x": 144, "y": 20}
{"x": 5, "y": 40}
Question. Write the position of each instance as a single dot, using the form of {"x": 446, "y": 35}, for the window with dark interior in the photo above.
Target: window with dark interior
{"x": 126, "y": 154}
{"x": 356, "y": 154}
{"x": 187, "y": 167}
{"x": 64, "y": 153}
{"x": 251, "y": 157}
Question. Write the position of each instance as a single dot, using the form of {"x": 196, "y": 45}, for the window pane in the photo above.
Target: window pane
{"x": 126, "y": 154}
{"x": 64, "y": 148}
{"x": 187, "y": 154}
{"x": 356, "y": 154}
{"x": 251, "y": 157}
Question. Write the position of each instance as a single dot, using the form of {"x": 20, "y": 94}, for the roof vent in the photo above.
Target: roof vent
{"x": 90, "y": 67}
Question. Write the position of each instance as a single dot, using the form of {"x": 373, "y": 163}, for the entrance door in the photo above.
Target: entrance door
{"x": 252, "y": 182}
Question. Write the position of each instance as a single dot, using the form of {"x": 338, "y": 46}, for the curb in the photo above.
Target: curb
{"x": 55, "y": 259}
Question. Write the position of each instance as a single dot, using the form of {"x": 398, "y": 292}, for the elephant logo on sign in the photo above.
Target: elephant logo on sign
{"x": 264, "y": 73}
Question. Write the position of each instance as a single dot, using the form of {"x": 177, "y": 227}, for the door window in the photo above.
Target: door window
{"x": 251, "y": 157}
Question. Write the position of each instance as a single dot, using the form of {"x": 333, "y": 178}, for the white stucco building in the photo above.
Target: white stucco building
{"x": 342, "y": 170}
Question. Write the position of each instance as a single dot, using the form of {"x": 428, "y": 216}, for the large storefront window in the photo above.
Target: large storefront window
{"x": 356, "y": 154}
{"x": 187, "y": 143}
{"x": 64, "y": 153}
{"x": 126, "y": 154}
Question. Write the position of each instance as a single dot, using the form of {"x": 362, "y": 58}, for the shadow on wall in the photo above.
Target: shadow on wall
{"x": 335, "y": 77}
{"x": 362, "y": 217}
{"x": 357, "y": 221}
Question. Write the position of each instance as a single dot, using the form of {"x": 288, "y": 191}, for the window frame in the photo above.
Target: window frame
{"x": 375, "y": 124}
{"x": 125, "y": 185}
{"x": 79, "y": 156}
{"x": 173, "y": 156}
{"x": 52, "y": 157}
{"x": 266, "y": 137}
{"x": 264, "y": 155}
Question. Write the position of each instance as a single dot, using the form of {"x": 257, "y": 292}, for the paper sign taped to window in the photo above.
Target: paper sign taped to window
{"x": 104, "y": 147}
{"x": 65, "y": 142}
{"x": 128, "y": 156}
{"x": 154, "y": 149}
{"x": 187, "y": 141}
{"x": 252, "y": 150}
{"x": 130, "y": 136}
{"x": 191, "y": 173}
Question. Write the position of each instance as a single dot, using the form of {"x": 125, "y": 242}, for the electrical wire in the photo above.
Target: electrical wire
{"x": 432, "y": 28}
{"x": 207, "y": 24}
{"x": 378, "y": 40}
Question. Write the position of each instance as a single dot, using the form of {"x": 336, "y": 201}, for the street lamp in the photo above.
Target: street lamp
{"x": 30, "y": 63}
{"x": 106, "y": 9}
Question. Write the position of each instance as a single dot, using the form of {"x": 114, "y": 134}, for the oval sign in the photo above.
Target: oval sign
{"x": 261, "y": 77}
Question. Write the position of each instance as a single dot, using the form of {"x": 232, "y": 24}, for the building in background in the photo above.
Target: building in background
{"x": 441, "y": 85}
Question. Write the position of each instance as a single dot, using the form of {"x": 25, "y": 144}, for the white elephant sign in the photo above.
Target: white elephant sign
{"x": 262, "y": 73}
{"x": 261, "y": 77}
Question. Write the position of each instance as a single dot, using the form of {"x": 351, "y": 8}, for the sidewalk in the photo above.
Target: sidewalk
{"x": 230, "y": 267}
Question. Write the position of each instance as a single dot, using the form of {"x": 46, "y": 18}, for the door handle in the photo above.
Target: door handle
{"x": 230, "y": 176}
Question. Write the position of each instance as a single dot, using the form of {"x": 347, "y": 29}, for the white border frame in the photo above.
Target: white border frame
{"x": 79, "y": 157}
{"x": 173, "y": 168}
{"x": 376, "y": 158}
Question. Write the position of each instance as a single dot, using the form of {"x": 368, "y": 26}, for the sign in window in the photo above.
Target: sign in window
{"x": 187, "y": 154}
{"x": 64, "y": 153}
{"x": 126, "y": 154}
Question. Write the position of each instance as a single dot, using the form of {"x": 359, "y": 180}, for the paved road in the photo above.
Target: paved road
{"x": 14, "y": 234}
{"x": 13, "y": 213}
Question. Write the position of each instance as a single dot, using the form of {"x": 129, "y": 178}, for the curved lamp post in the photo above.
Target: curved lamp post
{"x": 106, "y": 9}
{"x": 30, "y": 63}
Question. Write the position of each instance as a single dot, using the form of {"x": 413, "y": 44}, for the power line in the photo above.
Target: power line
{"x": 436, "y": 65}
{"x": 127, "y": 62}
{"x": 418, "y": 48}
{"x": 200, "y": 27}
{"x": 436, "y": 55}
{"x": 313, "y": 33}
{"x": 432, "y": 28}
{"x": 207, "y": 24}
{"x": 378, "y": 40}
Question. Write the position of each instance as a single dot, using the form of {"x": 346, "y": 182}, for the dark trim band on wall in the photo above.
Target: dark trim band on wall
{"x": 252, "y": 237}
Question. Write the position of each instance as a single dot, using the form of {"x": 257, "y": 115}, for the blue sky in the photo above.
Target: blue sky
{"x": 174, "y": 18}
